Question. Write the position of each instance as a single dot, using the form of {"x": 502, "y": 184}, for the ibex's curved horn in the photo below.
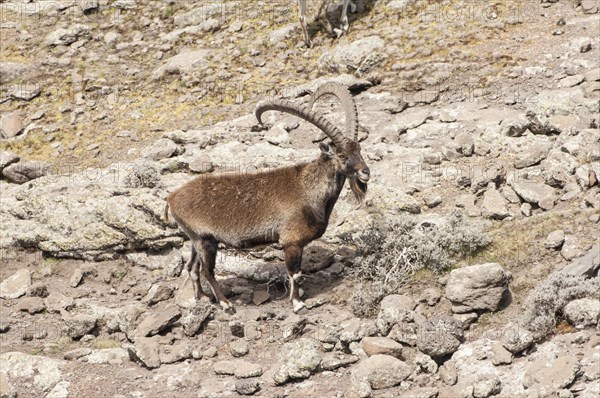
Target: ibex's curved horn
{"x": 348, "y": 105}
{"x": 305, "y": 113}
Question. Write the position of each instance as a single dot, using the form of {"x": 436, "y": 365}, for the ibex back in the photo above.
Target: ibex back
{"x": 289, "y": 205}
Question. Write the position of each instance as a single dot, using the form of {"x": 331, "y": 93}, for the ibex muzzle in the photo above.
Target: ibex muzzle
{"x": 289, "y": 205}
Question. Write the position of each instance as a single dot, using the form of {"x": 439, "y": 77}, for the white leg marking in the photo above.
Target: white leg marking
{"x": 298, "y": 305}
{"x": 301, "y": 292}
{"x": 297, "y": 276}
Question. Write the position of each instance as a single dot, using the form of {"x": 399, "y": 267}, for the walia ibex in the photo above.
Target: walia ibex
{"x": 289, "y": 205}
{"x": 320, "y": 9}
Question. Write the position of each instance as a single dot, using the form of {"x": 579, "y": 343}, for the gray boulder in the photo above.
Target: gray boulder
{"x": 298, "y": 360}
{"x": 440, "y": 336}
{"x": 162, "y": 149}
{"x": 394, "y": 309}
{"x": 583, "y": 312}
{"x": 22, "y": 172}
{"x": 477, "y": 287}
{"x": 375, "y": 373}
{"x": 515, "y": 338}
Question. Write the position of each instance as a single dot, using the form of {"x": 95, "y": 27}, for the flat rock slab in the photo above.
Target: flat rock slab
{"x": 548, "y": 376}
{"x": 158, "y": 321}
{"x": 15, "y": 285}
{"x": 541, "y": 194}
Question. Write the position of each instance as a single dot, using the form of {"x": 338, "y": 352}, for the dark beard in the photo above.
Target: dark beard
{"x": 359, "y": 189}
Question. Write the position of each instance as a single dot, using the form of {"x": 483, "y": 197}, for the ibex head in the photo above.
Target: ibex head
{"x": 345, "y": 149}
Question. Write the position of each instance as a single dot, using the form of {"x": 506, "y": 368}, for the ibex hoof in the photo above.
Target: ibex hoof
{"x": 227, "y": 307}
{"x": 298, "y": 305}
{"x": 338, "y": 32}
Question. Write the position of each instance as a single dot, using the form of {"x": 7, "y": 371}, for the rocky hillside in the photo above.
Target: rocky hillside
{"x": 471, "y": 270}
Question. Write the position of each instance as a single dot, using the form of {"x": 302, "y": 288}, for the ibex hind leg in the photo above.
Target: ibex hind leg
{"x": 293, "y": 262}
{"x": 207, "y": 250}
{"x": 193, "y": 269}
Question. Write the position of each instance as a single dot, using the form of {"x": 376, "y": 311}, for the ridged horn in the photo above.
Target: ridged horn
{"x": 348, "y": 104}
{"x": 315, "y": 118}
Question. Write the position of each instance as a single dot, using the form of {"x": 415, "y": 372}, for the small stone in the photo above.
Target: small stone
{"x": 32, "y": 305}
{"x": 157, "y": 293}
{"x": 336, "y": 360}
{"x": 431, "y": 296}
{"x": 197, "y": 316}
{"x": 500, "y": 355}
{"x": 381, "y": 345}
{"x": 239, "y": 348}
{"x": 175, "y": 353}
{"x": 393, "y": 309}
{"x": 260, "y": 296}
{"x": 494, "y": 205}
{"x": 486, "y": 388}
{"x": 10, "y": 125}
{"x": 247, "y": 386}
{"x": 526, "y": 209}
{"x": 432, "y": 199}
{"x": 76, "y": 353}
{"x": 465, "y": 144}
{"x": 466, "y": 319}
{"x": 571, "y": 248}
{"x": 57, "y": 302}
{"x": 515, "y": 338}
{"x": 449, "y": 373}
{"x": 426, "y": 363}
{"x": 555, "y": 239}
{"x": 355, "y": 329}
{"x": 146, "y": 351}
{"x": 79, "y": 325}
{"x": 440, "y": 336}
{"x": 76, "y": 278}
{"x": 210, "y": 352}
{"x": 245, "y": 369}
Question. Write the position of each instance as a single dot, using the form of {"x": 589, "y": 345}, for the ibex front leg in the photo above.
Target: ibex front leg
{"x": 302, "y": 9}
{"x": 344, "y": 19}
{"x": 293, "y": 261}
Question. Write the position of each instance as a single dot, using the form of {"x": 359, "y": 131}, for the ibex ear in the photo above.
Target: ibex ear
{"x": 326, "y": 149}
